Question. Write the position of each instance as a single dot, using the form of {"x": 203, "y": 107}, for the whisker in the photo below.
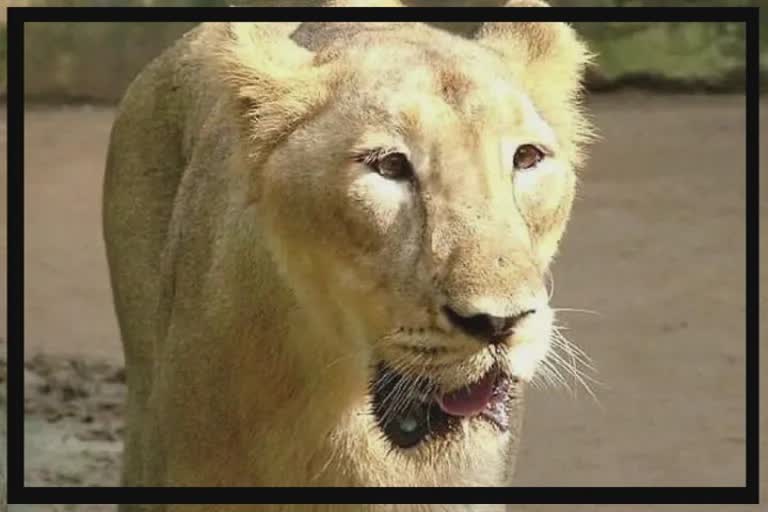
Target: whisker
{"x": 551, "y": 281}
{"x": 412, "y": 394}
{"x": 542, "y": 378}
{"x": 402, "y": 394}
{"x": 556, "y": 375}
{"x": 582, "y": 357}
{"x": 576, "y": 310}
{"x": 576, "y": 357}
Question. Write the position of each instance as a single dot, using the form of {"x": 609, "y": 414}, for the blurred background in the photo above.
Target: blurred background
{"x": 653, "y": 259}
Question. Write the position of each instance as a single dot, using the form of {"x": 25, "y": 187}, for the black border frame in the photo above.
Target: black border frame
{"x": 19, "y": 493}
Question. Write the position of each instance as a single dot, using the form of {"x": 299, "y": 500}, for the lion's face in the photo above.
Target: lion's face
{"x": 415, "y": 211}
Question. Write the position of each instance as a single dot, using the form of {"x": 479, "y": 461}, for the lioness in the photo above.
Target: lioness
{"x": 327, "y": 248}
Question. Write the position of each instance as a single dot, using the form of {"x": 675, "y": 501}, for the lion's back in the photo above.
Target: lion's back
{"x": 152, "y": 138}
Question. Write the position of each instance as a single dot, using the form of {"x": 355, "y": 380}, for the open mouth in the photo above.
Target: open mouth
{"x": 411, "y": 409}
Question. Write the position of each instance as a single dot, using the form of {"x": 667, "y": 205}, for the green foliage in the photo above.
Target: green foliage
{"x": 705, "y": 53}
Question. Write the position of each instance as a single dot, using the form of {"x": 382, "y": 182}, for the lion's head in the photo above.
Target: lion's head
{"x": 413, "y": 186}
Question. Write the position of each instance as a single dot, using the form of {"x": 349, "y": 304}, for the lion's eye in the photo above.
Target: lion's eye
{"x": 527, "y": 156}
{"x": 394, "y": 166}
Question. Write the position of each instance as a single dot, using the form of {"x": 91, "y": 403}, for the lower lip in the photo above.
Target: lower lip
{"x": 431, "y": 420}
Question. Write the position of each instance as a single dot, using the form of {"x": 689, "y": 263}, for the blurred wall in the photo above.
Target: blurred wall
{"x": 68, "y": 62}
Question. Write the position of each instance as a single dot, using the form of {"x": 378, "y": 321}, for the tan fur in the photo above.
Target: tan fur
{"x": 259, "y": 271}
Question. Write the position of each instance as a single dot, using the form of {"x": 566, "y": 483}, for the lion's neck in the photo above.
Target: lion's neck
{"x": 299, "y": 379}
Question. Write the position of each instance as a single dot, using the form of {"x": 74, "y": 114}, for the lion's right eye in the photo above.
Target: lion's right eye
{"x": 394, "y": 166}
{"x": 527, "y": 156}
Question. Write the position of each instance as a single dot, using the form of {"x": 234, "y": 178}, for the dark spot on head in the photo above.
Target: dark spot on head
{"x": 453, "y": 85}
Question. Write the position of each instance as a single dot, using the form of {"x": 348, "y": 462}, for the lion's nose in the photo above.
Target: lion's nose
{"x": 488, "y": 328}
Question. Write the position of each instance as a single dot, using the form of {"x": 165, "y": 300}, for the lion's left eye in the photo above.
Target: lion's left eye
{"x": 527, "y": 156}
{"x": 394, "y": 166}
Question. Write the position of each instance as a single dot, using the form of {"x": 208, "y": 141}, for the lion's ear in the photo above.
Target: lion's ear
{"x": 273, "y": 82}
{"x": 545, "y": 51}
{"x": 550, "y": 60}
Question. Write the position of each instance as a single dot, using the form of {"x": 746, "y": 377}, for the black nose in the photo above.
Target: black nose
{"x": 488, "y": 328}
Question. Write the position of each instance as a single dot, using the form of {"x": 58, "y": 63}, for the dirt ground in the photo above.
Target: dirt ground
{"x": 655, "y": 247}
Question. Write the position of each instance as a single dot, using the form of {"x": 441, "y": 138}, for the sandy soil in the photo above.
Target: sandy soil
{"x": 656, "y": 247}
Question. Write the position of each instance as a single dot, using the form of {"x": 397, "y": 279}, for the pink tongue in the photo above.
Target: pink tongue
{"x": 471, "y": 400}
